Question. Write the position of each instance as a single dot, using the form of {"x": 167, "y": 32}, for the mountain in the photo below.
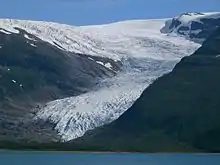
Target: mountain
{"x": 145, "y": 54}
{"x": 95, "y": 75}
{"x": 178, "y": 112}
{"x": 34, "y": 72}
{"x": 195, "y": 26}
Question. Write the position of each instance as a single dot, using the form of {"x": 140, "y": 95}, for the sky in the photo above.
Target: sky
{"x": 90, "y": 12}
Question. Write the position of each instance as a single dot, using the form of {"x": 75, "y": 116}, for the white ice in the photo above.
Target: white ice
{"x": 29, "y": 38}
{"x": 4, "y": 31}
{"x": 145, "y": 53}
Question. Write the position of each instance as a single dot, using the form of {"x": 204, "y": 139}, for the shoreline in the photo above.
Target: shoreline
{"x": 108, "y": 152}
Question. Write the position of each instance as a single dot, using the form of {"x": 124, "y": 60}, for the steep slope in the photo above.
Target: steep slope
{"x": 147, "y": 55}
{"x": 178, "y": 112}
{"x": 138, "y": 45}
{"x": 33, "y": 72}
{"x": 194, "y": 26}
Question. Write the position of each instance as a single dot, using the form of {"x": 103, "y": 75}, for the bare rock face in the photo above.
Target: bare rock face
{"x": 195, "y": 26}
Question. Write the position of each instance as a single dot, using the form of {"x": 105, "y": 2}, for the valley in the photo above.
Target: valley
{"x": 106, "y": 69}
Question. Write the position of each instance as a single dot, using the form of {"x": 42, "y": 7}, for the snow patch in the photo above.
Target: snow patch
{"x": 195, "y": 31}
{"x": 33, "y": 45}
{"x": 4, "y": 31}
{"x": 90, "y": 58}
{"x": 8, "y": 25}
{"x": 186, "y": 18}
{"x": 108, "y": 65}
{"x": 29, "y": 38}
{"x": 101, "y": 63}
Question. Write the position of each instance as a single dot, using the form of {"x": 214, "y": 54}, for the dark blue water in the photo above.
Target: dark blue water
{"x": 43, "y": 158}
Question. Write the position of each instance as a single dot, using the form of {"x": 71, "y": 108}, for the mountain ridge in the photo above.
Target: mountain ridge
{"x": 131, "y": 53}
{"x": 195, "y": 26}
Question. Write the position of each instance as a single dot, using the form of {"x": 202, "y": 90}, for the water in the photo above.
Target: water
{"x": 48, "y": 158}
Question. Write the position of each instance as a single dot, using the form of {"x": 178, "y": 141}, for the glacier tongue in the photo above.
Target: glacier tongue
{"x": 76, "y": 115}
{"x": 147, "y": 55}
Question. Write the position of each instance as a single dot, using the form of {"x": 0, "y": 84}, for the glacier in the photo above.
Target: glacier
{"x": 144, "y": 51}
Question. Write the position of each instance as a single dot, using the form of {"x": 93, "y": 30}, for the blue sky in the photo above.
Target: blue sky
{"x": 86, "y": 12}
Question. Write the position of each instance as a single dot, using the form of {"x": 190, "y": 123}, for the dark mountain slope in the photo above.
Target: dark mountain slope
{"x": 33, "y": 72}
{"x": 178, "y": 112}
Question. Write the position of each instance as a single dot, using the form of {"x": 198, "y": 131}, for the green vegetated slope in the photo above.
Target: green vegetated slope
{"x": 179, "y": 112}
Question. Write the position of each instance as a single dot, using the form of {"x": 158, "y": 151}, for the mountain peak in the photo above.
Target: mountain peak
{"x": 195, "y": 26}
{"x": 191, "y": 14}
